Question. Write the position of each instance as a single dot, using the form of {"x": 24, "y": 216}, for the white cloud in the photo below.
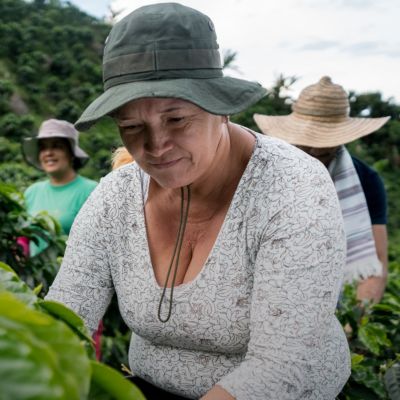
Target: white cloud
{"x": 354, "y": 41}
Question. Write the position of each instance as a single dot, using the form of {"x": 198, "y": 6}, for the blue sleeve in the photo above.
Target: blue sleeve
{"x": 374, "y": 191}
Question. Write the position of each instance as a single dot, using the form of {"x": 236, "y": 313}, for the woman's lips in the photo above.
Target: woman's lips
{"x": 164, "y": 165}
{"x": 50, "y": 162}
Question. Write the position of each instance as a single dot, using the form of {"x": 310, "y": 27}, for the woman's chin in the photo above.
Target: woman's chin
{"x": 170, "y": 179}
{"x": 51, "y": 169}
{"x": 172, "y": 184}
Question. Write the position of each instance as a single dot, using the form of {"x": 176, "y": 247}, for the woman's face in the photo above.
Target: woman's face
{"x": 172, "y": 140}
{"x": 324, "y": 154}
{"x": 55, "y": 156}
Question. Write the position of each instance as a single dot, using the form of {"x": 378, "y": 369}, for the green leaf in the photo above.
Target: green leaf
{"x": 108, "y": 381}
{"x": 45, "y": 220}
{"x": 73, "y": 320}
{"x": 367, "y": 377}
{"x": 40, "y": 357}
{"x": 386, "y": 307}
{"x": 356, "y": 391}
{"x": 373, "y": 336}
{"x": 6, "y": 267}
{"x": 356, "y": 359}
{"x": 10, "y": 281}
{"x": 392, "y": 381}
{"x": 38, "y": 289}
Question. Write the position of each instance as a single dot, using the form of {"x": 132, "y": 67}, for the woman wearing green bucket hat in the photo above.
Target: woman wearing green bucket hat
{"x": 218, "y": 241}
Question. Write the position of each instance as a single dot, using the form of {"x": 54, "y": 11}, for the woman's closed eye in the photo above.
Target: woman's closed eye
{"x": 176, "y": 120}
{"x": 131, "y": 128}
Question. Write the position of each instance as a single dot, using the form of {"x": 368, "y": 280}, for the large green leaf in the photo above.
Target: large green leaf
{"x": 108, "y": 384}
{"x": 388, "y": 307}
{"x": 371, "y": 380}
{"x": 10, "y": 281}
{"x": 73, "y": 320}
{"x": 6, "y": 267}
{"x": 40, "y": 357}
{"x": 373, "y": 336}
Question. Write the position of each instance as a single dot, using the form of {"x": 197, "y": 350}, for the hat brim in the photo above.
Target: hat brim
{"x": 220, "y": 96}
{"x": 30, "y": 150}
{"x": 318, "y": 134}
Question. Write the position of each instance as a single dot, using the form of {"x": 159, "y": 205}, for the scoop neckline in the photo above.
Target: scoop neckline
{"x": 185, "y": 286}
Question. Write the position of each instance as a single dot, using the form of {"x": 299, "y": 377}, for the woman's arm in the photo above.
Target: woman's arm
{"x": 373, "y": 287}
{"x": 84, "y": 281}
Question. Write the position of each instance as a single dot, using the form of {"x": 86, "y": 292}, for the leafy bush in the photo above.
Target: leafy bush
{"x": 373, "y": 332}
{"x": 20, "y": 174}
{"x": 16, "y": 127}
{"x": 15, "y": 222}
{"x": 46, "y": 352}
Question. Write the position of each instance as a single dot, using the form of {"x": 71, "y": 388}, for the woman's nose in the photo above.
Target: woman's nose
{"x": 46, "y": 151}
{"x": 157, "y": 142}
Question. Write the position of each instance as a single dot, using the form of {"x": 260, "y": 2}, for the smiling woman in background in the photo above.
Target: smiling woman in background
{"x": 56, "y": 152}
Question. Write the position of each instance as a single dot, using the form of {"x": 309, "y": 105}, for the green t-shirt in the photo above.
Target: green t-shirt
{"x": 62, "y": 202}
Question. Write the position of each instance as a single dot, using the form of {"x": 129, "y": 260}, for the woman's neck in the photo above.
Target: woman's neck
{"x": 215, "y": 190}
{"x": 234, "y": 152}
{"x": 59, "y": 179}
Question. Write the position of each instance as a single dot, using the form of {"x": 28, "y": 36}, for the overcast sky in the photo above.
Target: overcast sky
{"x": 356, "y": 42}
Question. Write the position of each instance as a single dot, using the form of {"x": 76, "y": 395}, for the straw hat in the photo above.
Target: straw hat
{"x": 167, "y": 50}
{"x": 54, "y": 128}
{"x": 320, "y": 118}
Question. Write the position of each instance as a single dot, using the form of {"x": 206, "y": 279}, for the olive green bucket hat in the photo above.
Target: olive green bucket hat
{"x": 167, "y": 50}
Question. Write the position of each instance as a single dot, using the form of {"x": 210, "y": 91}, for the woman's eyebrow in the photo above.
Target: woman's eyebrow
{"x": 126, "y": 122}
{"x": 171, "y": 109}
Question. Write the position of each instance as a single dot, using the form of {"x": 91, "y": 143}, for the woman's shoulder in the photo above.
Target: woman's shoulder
{"x": 283, "y": 160}
{"x": 283, "y": 174}
{"x": 86, "y": 182}
{"x": 122, "y": 182}
{"x": 278, "y": 149}
{"x": 120, "y": 176}
{"x": 36, "y": 187}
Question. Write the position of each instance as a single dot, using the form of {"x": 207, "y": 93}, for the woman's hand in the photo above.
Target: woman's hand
{"x": 217, "y": 393}
{"x": 371, "y": 288}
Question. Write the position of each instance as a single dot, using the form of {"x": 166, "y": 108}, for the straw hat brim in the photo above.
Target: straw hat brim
{"x": 30, "y": 149}
{"x": 318, "y": 134}
{"x": 220, "y": 96}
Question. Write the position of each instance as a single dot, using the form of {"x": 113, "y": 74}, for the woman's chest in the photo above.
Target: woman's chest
{"x": 188, "y": 256}
{"x": 210, "y": 312}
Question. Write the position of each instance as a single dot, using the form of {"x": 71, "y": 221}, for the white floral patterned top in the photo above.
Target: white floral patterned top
{"x": 259, "y": 317}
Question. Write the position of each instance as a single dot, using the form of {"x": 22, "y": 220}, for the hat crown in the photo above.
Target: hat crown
{"x": 162, "y": 26}
{"x": 58, "y": 128}
{"x": 323, "y": 99}
{"x": 161, "y": 41}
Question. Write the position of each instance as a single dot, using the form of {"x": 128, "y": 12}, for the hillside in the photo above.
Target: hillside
{"x": 50, "y": 66}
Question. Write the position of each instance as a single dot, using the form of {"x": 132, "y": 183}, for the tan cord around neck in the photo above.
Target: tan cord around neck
{"x": 175, "y": 256}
